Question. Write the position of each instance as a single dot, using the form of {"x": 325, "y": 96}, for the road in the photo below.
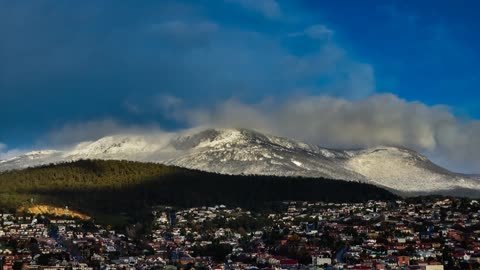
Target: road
{"x": 341, "y": 254}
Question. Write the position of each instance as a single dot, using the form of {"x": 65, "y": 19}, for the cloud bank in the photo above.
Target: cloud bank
{"x": 333, "y": 122}
{"x": 340, "y": 123}
{"x": 92, "y": 130}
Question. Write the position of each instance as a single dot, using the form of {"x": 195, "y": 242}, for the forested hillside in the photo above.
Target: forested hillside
{"x": 114, "y": 187}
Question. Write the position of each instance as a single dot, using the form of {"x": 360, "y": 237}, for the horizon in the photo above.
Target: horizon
{"x": 338, "y": 75}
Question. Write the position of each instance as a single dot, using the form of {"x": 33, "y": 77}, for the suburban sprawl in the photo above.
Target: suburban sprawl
{"x": 421, "y": 233}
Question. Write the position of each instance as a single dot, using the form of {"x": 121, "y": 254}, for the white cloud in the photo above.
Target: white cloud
{"x": 93, "y": 130}
{"x": 323, "y": 120}
{"x": 3, "y": 146}
{"x": 341, "y": 123}
{"x": 268, "y": 8}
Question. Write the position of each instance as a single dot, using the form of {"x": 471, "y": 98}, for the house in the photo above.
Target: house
{"x": 288, "y": 264}
{"x": 321, "y": 261}
{"x": 430, "y": 266}
{"x": 403, "y": 261}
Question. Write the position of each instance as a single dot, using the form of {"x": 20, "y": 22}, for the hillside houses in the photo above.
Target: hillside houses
{"x": 425, "y": 233}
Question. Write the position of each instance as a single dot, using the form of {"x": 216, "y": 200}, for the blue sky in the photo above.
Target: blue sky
{"x": 421, "y": 50}
{"x": 114, "y": 65}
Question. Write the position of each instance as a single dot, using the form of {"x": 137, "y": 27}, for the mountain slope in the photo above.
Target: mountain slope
{"x": 31, "y": 159}
{"x": 242, "y": 151}
{"x": 407, "y": 171}
{"x": 114, "y": 187}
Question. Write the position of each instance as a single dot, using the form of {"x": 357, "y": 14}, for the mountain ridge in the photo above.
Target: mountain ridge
{"x": 244, "y": 151}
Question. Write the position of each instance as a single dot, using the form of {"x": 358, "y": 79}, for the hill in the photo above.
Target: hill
{"x": 116, "y": 187}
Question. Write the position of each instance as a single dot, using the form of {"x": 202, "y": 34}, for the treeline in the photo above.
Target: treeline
{"x": 114, "y": 187}
{"x": 82, "y": 174}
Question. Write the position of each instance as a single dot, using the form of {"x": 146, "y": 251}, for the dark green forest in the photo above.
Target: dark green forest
{"x": 131, "y": 188}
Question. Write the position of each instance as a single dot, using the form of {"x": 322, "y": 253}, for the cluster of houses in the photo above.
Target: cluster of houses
{"x": 429, "y": 233}
{"x": 426, "y": 233}
{"x": 49, "y": 243}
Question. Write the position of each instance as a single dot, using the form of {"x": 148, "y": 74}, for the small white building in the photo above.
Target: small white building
{"x": 321, "y": 261}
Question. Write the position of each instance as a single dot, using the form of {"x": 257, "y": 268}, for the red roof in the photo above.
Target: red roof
{"x": 288, "y": 262}
{"x": 361, "y": 267}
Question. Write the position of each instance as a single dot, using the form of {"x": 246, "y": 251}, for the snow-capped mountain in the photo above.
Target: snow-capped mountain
{"x": 31, "y": 159}
{"x": 241, "y": 151}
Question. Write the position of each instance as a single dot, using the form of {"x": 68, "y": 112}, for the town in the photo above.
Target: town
{"x": 421, "y": 233}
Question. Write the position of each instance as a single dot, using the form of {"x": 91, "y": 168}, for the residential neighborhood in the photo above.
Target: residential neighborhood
{"x": 421, "y": 233}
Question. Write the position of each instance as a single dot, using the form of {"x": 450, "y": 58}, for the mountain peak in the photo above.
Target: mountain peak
{"x": 208, "y": 137}
{"x": 244, "y": 151}
{"x": 395, "y": 150}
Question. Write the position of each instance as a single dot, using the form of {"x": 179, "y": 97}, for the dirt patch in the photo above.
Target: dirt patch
{"x": 54, "y": 211}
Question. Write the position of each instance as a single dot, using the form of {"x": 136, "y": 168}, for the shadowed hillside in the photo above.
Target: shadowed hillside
{"x": 114, "y": 187}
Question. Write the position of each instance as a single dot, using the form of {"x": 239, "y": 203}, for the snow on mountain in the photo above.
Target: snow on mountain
{"x": 30, "y": 159}
{"x": 129, "y": 147}
{"x": 242, "y": 151}
{"x": 406, "y": 170}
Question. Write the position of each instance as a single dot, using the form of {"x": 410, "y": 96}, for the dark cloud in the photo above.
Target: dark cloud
{"x": 67, "y": 65}
{"x": 80, "y": 61}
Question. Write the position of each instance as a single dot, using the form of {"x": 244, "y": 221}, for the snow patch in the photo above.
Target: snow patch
{"x": 298, "y": 163}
